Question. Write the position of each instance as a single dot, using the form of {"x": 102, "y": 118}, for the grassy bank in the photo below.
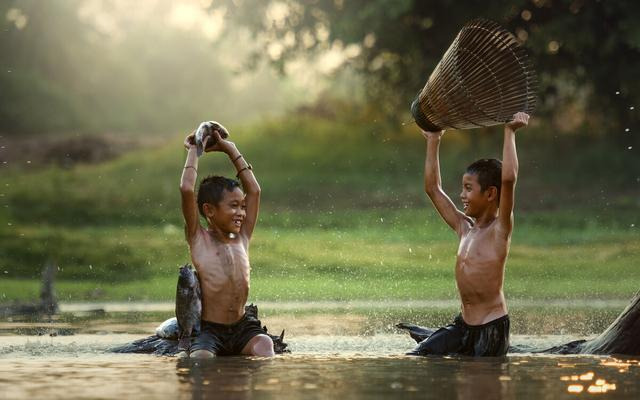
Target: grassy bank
{"x": 375, "y": 254}
{"x": 343, "y": 217}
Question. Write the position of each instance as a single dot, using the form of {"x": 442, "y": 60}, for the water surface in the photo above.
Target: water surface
{"x": 320, "y": 367}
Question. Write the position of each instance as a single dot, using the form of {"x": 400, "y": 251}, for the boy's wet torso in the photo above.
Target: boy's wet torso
{"x": 223, "y": 269}
{"x": 480, "y": 273}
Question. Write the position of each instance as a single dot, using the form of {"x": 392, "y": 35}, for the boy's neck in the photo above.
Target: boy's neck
{"x": 486, "y": 218}
{"x": 217, "y": 234}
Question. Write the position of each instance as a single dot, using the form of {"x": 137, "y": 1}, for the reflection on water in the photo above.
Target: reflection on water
{"x": 321, "y": 367}
{"x": 402, "y": 377}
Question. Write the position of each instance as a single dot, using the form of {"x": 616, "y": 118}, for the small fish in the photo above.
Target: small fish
{"x": 188, "y": 306}
{"x": 206, "y": 129}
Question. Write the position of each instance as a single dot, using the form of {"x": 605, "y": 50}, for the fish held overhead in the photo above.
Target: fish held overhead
{"x": 206, "y": 130}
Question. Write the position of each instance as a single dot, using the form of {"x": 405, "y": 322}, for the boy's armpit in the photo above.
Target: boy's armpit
{"x": 191, "y": 239}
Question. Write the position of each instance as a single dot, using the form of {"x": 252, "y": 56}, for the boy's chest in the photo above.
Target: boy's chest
{"x": 480, "y": 246}
{"x": 221, "y": 264}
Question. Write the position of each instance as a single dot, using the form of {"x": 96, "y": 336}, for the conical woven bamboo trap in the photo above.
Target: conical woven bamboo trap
{"x": 483, "y": 79}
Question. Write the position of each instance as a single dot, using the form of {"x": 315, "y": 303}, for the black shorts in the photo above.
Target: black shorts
{"x": 459, "y": 338}
{"x": 227, "y": 340}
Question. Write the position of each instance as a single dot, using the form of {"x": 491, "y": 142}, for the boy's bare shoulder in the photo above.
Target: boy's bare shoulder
{"x": 199, "y": 234}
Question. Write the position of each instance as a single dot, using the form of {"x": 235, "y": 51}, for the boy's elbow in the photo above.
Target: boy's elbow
{"x": 254, "y": 189}
{"x": 509, "y": 179}
{"x": 185, "y": 187}
{"x": 430, "y": 189}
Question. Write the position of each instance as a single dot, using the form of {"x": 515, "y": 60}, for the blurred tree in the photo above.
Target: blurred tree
{"x": 586, "y": 51}
{"x": 85, "y": 66}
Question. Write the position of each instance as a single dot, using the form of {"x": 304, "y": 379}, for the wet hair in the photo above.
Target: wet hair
{"x": 211, "y": 190}
{"x": 489, "y": 173}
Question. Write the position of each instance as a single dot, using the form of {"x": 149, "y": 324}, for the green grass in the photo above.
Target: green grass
{"x": 343, "y": 217}
{"x": 406, "y": 254}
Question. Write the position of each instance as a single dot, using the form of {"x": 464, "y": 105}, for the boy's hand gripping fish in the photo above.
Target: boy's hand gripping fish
{"x": 206, "y": 129}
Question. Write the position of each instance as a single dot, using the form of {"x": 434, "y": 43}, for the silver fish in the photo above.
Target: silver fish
{"x": 206, "y": 129}
{"x": 188, "y": 305}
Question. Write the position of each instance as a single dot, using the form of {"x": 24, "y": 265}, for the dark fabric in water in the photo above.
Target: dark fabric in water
{"x": 459, "y": 338}
{"x": 221, "y": 339}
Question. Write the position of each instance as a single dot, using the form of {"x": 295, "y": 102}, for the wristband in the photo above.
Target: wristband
{"x": 248, "y": 167}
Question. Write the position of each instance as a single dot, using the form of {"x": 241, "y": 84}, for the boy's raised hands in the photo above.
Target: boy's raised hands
{"x": 190, "y": 141}
{"x": 519, "y": 120}
{"x": 220, "y": 144}
{"x": 434, "y": 135}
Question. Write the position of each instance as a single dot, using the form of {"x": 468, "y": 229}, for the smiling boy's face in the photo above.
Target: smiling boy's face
{"x": 228, "y": 215}
{"x": 474, "y": 199}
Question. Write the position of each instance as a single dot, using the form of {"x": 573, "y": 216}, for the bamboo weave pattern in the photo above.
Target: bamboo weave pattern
{"x": 483, "y": 79}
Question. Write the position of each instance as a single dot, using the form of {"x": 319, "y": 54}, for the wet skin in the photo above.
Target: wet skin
{"x": 484, "y": 226}
{"x": 220, "y": 252}
{"x": 481, "y": 257}
{"x": 220, "y": 255}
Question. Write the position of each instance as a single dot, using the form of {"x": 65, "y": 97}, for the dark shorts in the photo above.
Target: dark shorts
{"x": 459, "y": 338}
{"x": 227, "y": 340}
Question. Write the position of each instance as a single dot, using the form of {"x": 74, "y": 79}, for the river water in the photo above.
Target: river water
{"x": 340, "y": 360}
{"x": 321, "y": 367}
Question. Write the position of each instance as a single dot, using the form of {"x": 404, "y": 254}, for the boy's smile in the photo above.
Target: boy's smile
{"x": 472, "y": 196}
{"x": 228, "y": 215}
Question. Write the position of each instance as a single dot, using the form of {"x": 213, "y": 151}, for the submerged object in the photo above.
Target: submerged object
{"x": 622, "y": 337}
{"x": 416, "y": 332}
{"x": 206, "y": 129}
{"x": 48, "y": 304}
{"x": 483, "y": 79}
{"x": 188, "y": 306}
{"x": 161, "y": 345}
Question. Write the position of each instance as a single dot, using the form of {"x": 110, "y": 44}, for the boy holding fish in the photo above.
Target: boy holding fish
{"x": 220, "y": 250}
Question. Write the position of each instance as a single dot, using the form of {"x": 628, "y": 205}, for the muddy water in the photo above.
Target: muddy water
{"x": 320, "y": 367}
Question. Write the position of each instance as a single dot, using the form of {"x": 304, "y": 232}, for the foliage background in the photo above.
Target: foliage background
{"x": 98, "y": 95}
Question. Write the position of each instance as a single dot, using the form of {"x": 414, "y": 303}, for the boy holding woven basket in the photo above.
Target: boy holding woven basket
{"x": 484, "y": 227}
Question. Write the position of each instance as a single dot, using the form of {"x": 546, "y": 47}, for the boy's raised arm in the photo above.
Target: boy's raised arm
{"x": 187, "y": 189}
{"x": 249, "y": 183}
{"x": 509, "y": 172}
{"x": 433, "y": 183}
{"x": 252, "y": 194}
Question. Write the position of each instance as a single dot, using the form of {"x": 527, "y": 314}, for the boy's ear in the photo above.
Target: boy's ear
{"x": 492, "y": 193}
{"x": 208, "y": 209}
